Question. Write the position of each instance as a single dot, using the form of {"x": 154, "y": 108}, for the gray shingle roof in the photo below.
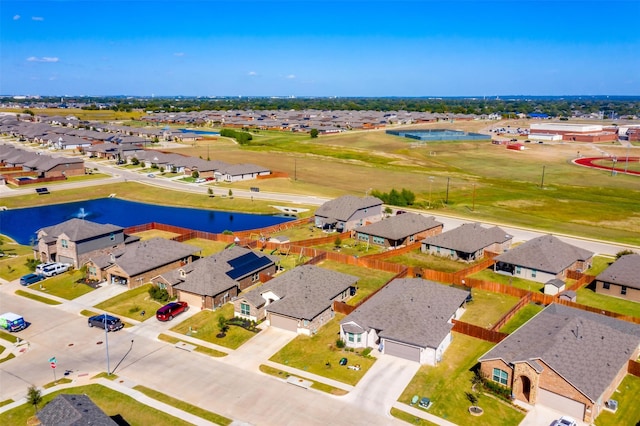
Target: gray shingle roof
{"x": 148, "y": 255}
{"x": 585, "y": 348}
{"x": 624, "y": 271}
{"x": 305, "y": 292}
{"x": 546, "y": 253}
{"x": 469, "y": 238}
{"x": 79, "y": 229}
{"x": 73, "y": 410}
{"x": 410, "y": 310}
{"x": 400, "y": 226}
{"x": 342, "y": 208}
{"x": 209, "y": 275}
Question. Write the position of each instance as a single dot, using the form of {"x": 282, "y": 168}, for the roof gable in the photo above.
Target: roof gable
{"x": 342, "y": 208}
{"x": 546, "y": 253}
{"x": 400, "y": 226}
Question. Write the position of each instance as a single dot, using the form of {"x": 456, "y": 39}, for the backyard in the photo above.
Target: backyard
{"x": 318, "y": 354}
{"x": 628, "y": 412}
{"x": 489, "y": 275}
{"x": 487, "y": 307}
{"x": 447, "y": 384}
{"x": 429, "y": 261}
{"x": 588, "y": 296}
{"x": 370, "y": 279}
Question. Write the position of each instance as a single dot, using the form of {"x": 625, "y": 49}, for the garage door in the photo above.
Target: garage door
{"x": 193, "y": 300}
{"x": 402, "y": 351}
{"x": 561, "y": 404}
{"x": 284, "y": 322}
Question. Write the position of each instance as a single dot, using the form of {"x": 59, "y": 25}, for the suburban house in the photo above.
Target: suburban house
{"x": 397, "y": 231}
{"x": 410, "y": 318}
{"x": 73, "y": 409}
{"x": 565, "y": 358}
{"x": 348, "y": 212}
{"x": 214, "y": 280}
{"x": 621, "y": 279}
{"x": 76, "y": 240}
{"x": 468, "y": 242}
{"x": 542, "y": 259}
{"x": 299, "y": 300}
{"x": 137, "y": 263}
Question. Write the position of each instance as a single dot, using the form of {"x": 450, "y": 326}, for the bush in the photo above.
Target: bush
{"x": 31, "y": 264}
{"x": 366, "y": 352}
{"x": 159, "y": 294}
{"x": 340, "y": 343}
{"x": 497, "y": 389}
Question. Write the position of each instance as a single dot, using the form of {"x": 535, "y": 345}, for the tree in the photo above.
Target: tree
{"x": 210, "y": 191}
{"x": 623, "y": 253}
{"x": 313, "y": 133}
{"x": 473, "y": 399}
{"x": 388, "y": 210}
{"x": 195, "y": 174}
{"x": 230, "y": 193}
{"x": 222, "y": 325}
{"x": 34, "y": 396}
{"x": 338, "y": 241}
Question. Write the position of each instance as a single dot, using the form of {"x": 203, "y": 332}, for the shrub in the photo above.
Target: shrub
{"x": 31, "y": 264}
{"x": 134, "y": 309}
{"x": 340, "y": 343}
{"x": 158, "y": 294}
{"x": 366, "y": 352}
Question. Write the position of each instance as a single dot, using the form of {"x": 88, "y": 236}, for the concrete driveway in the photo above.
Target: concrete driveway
{"x": 381, "y": 387}
{"x": 259, "y": 348}
{"x": 539, "y": 415}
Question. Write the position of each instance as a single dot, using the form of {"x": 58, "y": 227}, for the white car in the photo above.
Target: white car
{"x": 55, "y": 269}
{"x": 200, "y": 180}
{"x": 564, "y": 421}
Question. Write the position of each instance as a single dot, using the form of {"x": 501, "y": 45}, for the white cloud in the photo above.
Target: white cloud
{"x": 42, "y": 59}
{"x": 16, "y": 17}
{"x": 37, "y": 18}
{"x": 252, "y": 73}
{"x": 291, "y": 76}
{"x": 178, "y": 54}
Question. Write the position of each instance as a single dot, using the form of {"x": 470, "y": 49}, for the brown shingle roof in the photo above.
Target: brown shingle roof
{"x": 400, "y": 227}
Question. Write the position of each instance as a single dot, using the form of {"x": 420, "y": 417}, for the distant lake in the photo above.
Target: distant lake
{"x": 22, "y": 224}
{"x": 199, "y": 132}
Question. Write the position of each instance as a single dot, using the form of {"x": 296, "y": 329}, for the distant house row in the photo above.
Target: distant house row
{"x": 15, "y": 160}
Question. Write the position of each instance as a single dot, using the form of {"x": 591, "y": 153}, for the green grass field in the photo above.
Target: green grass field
{"x": 132, "y": 303}
{"x": 370, "y": 279}
{"x": 523, "y": 315}
{"x": 628, "y": 412}
{"x": 447, "y": 383}
{"x": 63, "y": 285}
{"x": 487, "y": 307}
{"x": 587, "y": 296}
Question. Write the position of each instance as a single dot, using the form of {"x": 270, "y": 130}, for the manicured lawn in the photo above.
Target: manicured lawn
{"x": 132, "y": 303}
{"x": 413, "y": 420}
{"x": 447, "y": 383}
{"x": 208, "y": 247}
{"x": 63, "y": 285}
{"x": 204, "y": 326}
{"x": 155, "y": 233}
{"x": 599, "y": 264}
{"x": 13, "y": 262}
{"x": 489, "y": 275}
{"x": 628, "y": 412}
{"x": 429, "y": 261}
{"x": 523, "y": 315}
{"x": 487, "y": 307}
{"x": 8, "y": 336}
{"x": 316, "y": 385}
{"x": 202, "y": 349}
{"x": 313, "y": 353}
{"x": 111, "y": 402}
{"x": 370, "y": 279}
{"x": 36, "y": 297}
{"x": 184, "y": 406}
{"x": 587, "y": 296}
{"x": 352, "y": 247}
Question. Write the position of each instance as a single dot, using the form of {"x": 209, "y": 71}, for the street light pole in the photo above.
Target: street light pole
{"x": 106, "y": 340}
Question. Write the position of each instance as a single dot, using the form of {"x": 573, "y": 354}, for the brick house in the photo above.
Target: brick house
{"x": 299, "y": 300}
{"x": 565, "y": 358}
{"x": 621, "y": 279}
{"x": 348, "y": 212}
{"x": 397, "y": 231}
{"x": 214, "y": 280}
{"x": 468, "y": 242}
{"x": 543, "y": 259}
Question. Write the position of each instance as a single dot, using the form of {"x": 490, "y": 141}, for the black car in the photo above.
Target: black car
{"x": 112, "y": 323}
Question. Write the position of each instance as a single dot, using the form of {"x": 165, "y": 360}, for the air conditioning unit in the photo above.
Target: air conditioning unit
{"x": 612, "y": 404}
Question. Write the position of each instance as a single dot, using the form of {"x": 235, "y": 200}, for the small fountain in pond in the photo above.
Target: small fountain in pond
{"x": 82, "y": 214}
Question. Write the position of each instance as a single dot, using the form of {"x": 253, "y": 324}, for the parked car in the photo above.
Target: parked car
{"x": 151, "y": 175}
{"x": 200, "y": 180}
{"x": 564, "y": 421}
{"x": 55, "y": 269}
{"x": 109, "y": 322}
{"x": 30, "y": 279}
{"x": 170, "y": 310}
{"x": 12, "y": 322}
{"x": 41, "y": 266}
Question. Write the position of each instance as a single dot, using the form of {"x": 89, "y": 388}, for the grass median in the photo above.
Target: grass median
{"x": 37, "y": 297}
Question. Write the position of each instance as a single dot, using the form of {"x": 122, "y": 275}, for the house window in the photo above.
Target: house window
{"x": 452, "y": 252}
{"x": 255, "y": 277}
{"x": 64, "y": 243}
{"x": 161, "y": 285}
{"x": 438, "y": 250}
{"x": 606, "y": 286}
{"x": 305, "y": 323}
{"x": 518, "y": 270}
{"x": 245, "y": 309}
{"x": 623, "y": 290}
{"x": 500, "y": 376}
{"x": 363, "y": 237}
{"x": 378, "y": 240}
{"x": 112, "y": 236}
{"x": 533, "y": 273}
{"x": 350, "y": 337}
{"x": 412, "y": 238}
{"x": 92, "y": 270}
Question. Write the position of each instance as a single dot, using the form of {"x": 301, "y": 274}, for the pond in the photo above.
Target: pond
{"x": 22, "y": 224}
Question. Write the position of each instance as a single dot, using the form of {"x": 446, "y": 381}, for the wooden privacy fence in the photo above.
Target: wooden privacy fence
{"x": 478, "y": 332}
{"x": 511, "y": 313}
{"x": 394, "y": 252}
{"x": 581, "y": 281}
{"x": 634, "y": 368}
{"x": 323, "y": 240}
{"x": 628, "y": 318}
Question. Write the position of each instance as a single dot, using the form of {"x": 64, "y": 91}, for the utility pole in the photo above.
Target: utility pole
{"x": 447, "y": 198}
{"x": 106, "y": 340}
{"x": 295, "y": 169}
{"x": 542, "y": 181}
{"x": 473, "y": 207}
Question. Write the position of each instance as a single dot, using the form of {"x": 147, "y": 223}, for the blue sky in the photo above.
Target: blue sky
{"x": 319, "y": 48}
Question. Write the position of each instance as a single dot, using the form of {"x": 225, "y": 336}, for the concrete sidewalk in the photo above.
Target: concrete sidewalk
{"x": 418, "y": 412}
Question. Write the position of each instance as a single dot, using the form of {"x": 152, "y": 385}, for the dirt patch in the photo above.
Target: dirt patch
{"x": 632, "y": 222}
{"x": 519, "y": 204}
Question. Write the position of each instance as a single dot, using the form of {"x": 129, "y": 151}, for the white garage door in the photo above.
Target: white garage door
{"x": 561, "y": 404}
{"x": 193, "y": 300}
{"x": 284, "y": 322}
{"x": 402, "y": 351}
